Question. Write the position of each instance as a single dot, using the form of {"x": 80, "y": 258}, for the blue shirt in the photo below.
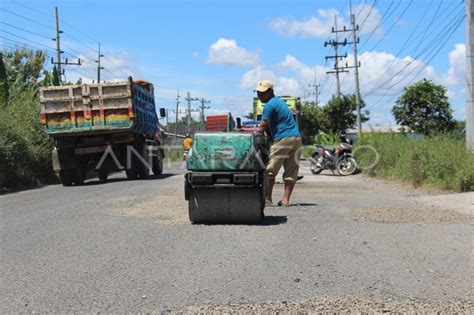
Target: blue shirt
{"x": 282, "y": 124}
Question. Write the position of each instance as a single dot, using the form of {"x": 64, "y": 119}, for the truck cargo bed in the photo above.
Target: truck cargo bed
{"x": 98, "y": 108}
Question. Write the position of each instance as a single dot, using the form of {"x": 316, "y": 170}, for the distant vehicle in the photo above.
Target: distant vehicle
{"x": 103, "y": 127}
{"x": 294, "y": 103}
{"x": 220, "y": 123}
{"x": 338, "y": 159}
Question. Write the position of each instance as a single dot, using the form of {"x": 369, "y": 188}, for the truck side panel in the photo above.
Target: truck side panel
{"x": 97, "y": 108}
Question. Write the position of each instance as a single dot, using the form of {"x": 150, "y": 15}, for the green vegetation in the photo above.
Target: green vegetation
{"x": 424, "y": 108}
{"x": 438, "y": 162}
{"x": 337, "y": 115}
{"x": 25, "y": 150}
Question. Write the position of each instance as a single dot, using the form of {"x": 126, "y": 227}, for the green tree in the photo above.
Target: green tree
{"x": 23, "y": 67}
{"x": 55, "y": 77}
{"x": 46, "y": 79}
{"x": 340, "y": 114}
{"x": 309, "y": 122}
{"x": 424, "y": 108}
{"x": 3, "y": 83}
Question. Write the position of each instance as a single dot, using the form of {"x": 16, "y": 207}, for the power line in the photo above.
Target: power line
{"x": 427, "y": 48}
{"x": 448, "y": 34}
{"x": 387, "y": 14}
{"x": 34, "y": 42}
{"x": 368, "y": 14}
{"x": 392, "y": 26}
{"x": 27, "y": 19}
{"x": 387, "y": 67}
{"x": 23, "y": 44}
{"x": 22, "y": 29}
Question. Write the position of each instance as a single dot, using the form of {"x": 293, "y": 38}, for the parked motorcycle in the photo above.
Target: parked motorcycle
{"x": 185, "y": 154}
{"x": 338, "y": 159}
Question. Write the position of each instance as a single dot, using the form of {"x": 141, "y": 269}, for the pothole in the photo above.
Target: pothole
{"x": 398, "y": 215}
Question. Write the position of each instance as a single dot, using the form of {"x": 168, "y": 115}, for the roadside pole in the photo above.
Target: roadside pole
{"x": 469, "y": 75}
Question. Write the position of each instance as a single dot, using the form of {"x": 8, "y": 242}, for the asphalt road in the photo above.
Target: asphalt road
{"x": 127, "y": 246}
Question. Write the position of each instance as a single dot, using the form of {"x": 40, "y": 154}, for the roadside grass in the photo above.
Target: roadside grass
{"x": 441, "y": 162}
{"x": 173, "y": 154}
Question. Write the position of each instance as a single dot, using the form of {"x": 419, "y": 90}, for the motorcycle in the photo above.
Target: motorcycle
{"x": 338, "y": 159}
{"x": 185, "y": 154}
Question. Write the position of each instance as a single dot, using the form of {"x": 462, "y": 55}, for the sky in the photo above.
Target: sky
{"x": 219, "y": 49}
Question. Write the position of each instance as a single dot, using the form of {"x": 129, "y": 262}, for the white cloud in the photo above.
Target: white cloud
{"x": 250, "y": 79}
{"x": 367, "y": 25}
{"x": 320, "y": 25}
{"x": 457, "y": 72}
{"x": 315, "y": 26}
{"x": 226, "y": 51}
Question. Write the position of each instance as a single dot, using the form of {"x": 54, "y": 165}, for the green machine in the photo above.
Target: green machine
{"x": 226, "y": 178}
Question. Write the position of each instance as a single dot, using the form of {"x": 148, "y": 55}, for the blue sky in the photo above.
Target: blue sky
{"x": 219, "y": 49}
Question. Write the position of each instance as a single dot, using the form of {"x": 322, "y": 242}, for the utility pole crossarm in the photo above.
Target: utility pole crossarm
{"x": 57, "y": 39}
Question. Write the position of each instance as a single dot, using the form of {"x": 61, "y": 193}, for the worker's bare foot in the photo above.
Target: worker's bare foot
{"x": 282, "y": 203}
{"x": 268, "y": 202}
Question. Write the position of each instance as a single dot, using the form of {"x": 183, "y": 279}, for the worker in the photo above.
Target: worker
{"x": 187, "y": 142}
{"x": 286, "y": 144}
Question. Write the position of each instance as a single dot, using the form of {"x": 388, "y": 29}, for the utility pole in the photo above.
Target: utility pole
{"x": 316, "y": 92}
{"x": 355, "y": 40}
{"x": 335, "y": 43}
{"x": 58, "y": 61}
{"x": 189, "y": 99}
{"x": 98, "y": 65}
{"x": 177, "y": 112}
{"x": 469, "y": 75}
{"x": 203, "y": 107}
{"x": 58, "y": 46}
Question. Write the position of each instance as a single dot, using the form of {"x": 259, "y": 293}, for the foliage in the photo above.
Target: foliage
{"x": 441, "y": 162}
{"x": 55, "y": 77}
{"x": 23, "y": 68}
{"x": 424, "y": 108}
{"x": 25, "y": 150}
{"x": 339, "y": 114}
{"x": 309, "y": 122}
{"x": 3, "y": 83}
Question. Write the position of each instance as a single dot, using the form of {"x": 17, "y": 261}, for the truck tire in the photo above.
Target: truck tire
{"x": 66, "y": 177}
{"x": 103, "y": 175}
{"x": 157, "y": 167}
{"x": 143, "y": 171}
{"x": 131, "y": 172}
{"x": 79, "y": 175}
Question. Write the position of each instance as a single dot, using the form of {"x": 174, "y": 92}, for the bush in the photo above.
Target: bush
{"x": 25, "y": 149}
{"x": 439, "y": 162}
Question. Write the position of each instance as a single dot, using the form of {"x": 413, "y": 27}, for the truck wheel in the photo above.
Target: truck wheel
{"x": 157, "y": 167}
{"x": 66, "y": 177}
{"x": 80, "y": 175}
{"x": 142, "y": 170}
{"x": 103, "y": 175}
{"x": 131, "y": 172}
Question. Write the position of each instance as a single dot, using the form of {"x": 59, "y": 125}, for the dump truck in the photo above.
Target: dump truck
{"x": 226, "y": 180}
{"x": 220, "y": 123}
{"x": 103, "y": 127}
{"x": 293, "y": 102}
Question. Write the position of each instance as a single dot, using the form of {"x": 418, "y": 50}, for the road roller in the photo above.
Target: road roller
{"x": 226, "y": 178}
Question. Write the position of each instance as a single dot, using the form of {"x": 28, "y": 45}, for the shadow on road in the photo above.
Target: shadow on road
{"x": 273, "y": 220}
{"x": 123, "y": 179}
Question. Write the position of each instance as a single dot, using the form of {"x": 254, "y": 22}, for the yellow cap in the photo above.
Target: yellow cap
{"x": 264, "y": 85}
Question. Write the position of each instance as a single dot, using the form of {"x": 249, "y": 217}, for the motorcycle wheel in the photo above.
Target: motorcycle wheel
{"x": 316, "y": 164}
{"x": 347, "y": 165}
